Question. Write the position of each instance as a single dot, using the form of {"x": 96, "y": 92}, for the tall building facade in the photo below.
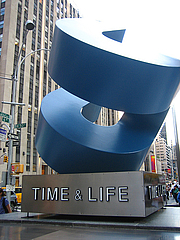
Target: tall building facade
{"x": 165, "y": 157}
{"x": 108, "y": 117}
{"x": 164, "y": 153}
{"x": 33, "y": 79}
{"x": 174, "y": 163}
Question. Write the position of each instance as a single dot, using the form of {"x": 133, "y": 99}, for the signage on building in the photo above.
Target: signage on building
{"x": 153, "y": 163}
{"x": 109, "y": 194}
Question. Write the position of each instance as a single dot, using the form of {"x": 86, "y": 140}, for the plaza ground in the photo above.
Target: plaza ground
{"x": 163, "y": 224}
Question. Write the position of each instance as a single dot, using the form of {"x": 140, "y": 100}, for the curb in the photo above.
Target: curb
{"x": 90, "y": 224}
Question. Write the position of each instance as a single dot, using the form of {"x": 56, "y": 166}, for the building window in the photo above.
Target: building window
{"x": 32, "y": 59}
{"x": 31, "y": 90}
{"x": 19, "y": 114}
{"x": 44, "y": 83}
{"x": 17, "y": 154}
{"x": 2, "y": 5}
{"x": 28, "y": 155}
{"x": 38, "y": 45}
{"x": 49, "y": 85}
{"x": 40, "y": 15}
{"x": 35, "y": 9}
{"x": 35, "y": 122}
{"x": 26, "y": 3}
{"x": 1, "y": 17}
{"x": 36, "y": 96}
{"x": 33, "y": 44}
{"x": 29, "y": 121}
{"x": 34, "y": 157}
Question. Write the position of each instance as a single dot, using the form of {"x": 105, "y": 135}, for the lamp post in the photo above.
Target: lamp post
{"x": 29, "y": 27}
{"x": 12, "y": 122}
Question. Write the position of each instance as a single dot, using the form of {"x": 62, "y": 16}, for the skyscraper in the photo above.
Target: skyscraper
{"x": 33, "y": 79}
{"x": 164, "y": 153}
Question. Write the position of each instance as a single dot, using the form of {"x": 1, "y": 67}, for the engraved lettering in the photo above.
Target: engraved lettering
{"x": 154, "y": 191}
{"x": 43, "y": 194}
{"x": 122, "y": 193}
{"x": 63, "y": 194}
{"x": 150, "y": 192}
{"x": 53, "y": 196}
{"x": 108, "y": 193}
{"x": 90, "y": 199}
{"x": 36, "y": 192}
{"x": 101, "y": 194}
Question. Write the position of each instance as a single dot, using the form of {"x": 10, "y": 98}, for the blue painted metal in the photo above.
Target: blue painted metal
{"x": 95, "y": 70}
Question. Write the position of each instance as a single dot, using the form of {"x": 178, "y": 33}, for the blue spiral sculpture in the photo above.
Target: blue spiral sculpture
{"x": 94, "y": 68}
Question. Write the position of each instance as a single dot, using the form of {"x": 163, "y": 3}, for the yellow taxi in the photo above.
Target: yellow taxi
{"x": 18, "y": 191}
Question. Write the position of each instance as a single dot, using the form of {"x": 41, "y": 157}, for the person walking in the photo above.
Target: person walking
{"x": 4, "y": 204}
{"x": 178, "y": 196}
{"x": 175, "y": 192}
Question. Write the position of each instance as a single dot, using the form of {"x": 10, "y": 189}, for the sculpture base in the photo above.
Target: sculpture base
{"x": 125, "y": 194}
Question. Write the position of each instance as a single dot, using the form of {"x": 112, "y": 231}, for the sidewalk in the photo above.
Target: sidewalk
{"x": 167, "y": 219}
{"x": 172, "y": 203}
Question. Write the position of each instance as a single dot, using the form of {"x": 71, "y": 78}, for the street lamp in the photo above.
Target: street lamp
{"x": 29, "y": 27}
{"x": 12, "y": 122}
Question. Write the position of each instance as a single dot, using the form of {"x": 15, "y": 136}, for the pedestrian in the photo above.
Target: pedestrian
{"x": 172, "y": 189}
{"x": 178, "y": 196}
{"x": 167, "y": 190}
{"x": 4, "y": 204}
{"x": 175, "y": 192}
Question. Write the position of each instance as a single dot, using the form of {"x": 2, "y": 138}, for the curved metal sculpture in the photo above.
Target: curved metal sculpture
{"x": 94, "y": 68}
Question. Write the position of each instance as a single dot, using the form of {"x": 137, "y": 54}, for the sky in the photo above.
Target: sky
{"x": 160, "y": 18}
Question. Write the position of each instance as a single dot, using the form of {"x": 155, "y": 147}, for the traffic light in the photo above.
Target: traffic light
{"x": 5, "y": 158}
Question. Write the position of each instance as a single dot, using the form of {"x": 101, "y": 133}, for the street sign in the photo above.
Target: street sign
{"x": 15, "y": 143}
{"x": 20, "y": 125}
{"x": 10, "y": 188}
{"x": 13, "y": 136}
{"x": 5, "y": 117}
{"x": 2, "y": 135}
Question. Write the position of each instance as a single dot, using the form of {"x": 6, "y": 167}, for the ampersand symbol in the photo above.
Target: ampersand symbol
{"x": 78, "y": 196}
